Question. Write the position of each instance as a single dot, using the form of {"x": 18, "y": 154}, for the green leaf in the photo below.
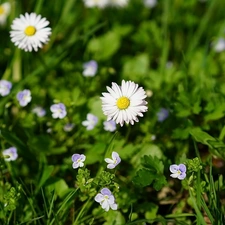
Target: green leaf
{"x": 152, "y": 163}
{"x": 144, "y": 177}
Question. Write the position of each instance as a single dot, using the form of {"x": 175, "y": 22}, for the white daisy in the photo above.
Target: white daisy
{"x": 4, "y": 12}
{"x": 95, "y": 3}
{"x": 30, "y": 32}
{"x": 124, "y": 103}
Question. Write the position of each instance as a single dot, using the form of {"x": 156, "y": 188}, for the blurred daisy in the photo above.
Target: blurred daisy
{"x": 96, "y": 3}
{"x": 4, "y": 12}
{"x": 109, "y": 125}
{"x": 106, "y": 199}
{"x": 24, "y": 97}
{"x": 10, "y": 154}
{"x": 39, "y": 111}
{"x": 120, "y": 3}
{"x": 90, "y": 68}
{"x": 162, "y": 114}
{"x": 112, "y": 163}
{"x": 178, "y": 171}
{"x": 124, "y": 103}
{"x": 5, "y": 87}
{"x": 30, "y": 32}
{"x": 150, "y": 3}
{"x": 58, "y": 110}
{"x": 219, "y": 46}
{"x": 78, "y": 160}
{"x": 91, "y": 121}
{"x": 68, "y": 127}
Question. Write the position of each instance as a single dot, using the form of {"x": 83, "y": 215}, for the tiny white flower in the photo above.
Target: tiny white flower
{"x": 4, "y": 12}
{"x": 24, "y": 97}
{"x": 10, "y": 154}
{"x": 219, "y": 46}
{"x": 106, "y": 199}
{"x": 58, "y": 110}
{"x": 78, "y": 160}
{"x": 110, "y": 125}
{"x": 112, "y": 163}
{"x": 91, "y": 121}
{"x": 30, "y": 32}
{"x": 124, "y": 103}
{"x": 150, "y": 3}
{"x": 90, "y": 68}
{"x": 119, "y": 3}
{"x": 96, "y": 3}
{"x": 39, "y": 111}
{"x": 5, "y": 87}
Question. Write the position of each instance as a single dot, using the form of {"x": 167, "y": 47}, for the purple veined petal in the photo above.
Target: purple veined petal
{"x": 111, "y": 166}
{"x": 99, "y": 197}
{"x": 111, "y": 199}
{"x": 182, "y": 168}
{"x": 174, "y": 175}
{"x": 105, "y": 206}
{"x": 114, "y": 206}
{"x": 82, "y": 157}
{"x": 182, "y": 176}
{"x": 106, "y": 191}
{"x": 75, "y": 157}
{"x": 108, "y": 160}
{"x": 174, "y": 168}
{"x": 75, "y": 165}
{"x": 115, "y": 155}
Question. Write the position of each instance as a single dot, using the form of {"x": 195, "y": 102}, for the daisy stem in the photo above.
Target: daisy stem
{"x": 38, "y": 6}
{"x": 16, "y": 67}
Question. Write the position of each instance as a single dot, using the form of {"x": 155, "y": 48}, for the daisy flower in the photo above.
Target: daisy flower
{"x": 4, "y": 12}
{"x": 106, "y": 199}
{"x": 124, "y": 103}
{"x": 96, "y": 3}
{"x": 30, "y": 32}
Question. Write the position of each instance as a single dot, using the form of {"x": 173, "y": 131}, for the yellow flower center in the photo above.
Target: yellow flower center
{"x": 30, "y": 31}
{"x": 1, "y": 10}
{"x": 123, "y": 103}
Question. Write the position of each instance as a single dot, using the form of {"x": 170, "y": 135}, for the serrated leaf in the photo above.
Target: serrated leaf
{"x": 152, "y": 163}
{"x": 144, "y": 177}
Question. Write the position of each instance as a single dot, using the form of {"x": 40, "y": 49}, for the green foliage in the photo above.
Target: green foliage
{"x": 152, "y": 172}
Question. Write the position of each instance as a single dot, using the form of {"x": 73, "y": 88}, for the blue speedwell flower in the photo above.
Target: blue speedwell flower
{"x": 10, "y": 154}
{"x": 106, "y": 199}
{"x": 78, "y": 160}
{"x": 5, "y": 87}
{"x": 112, "y": 163}
{"x": 162, "y": 114}
{"x": 90, "y": 68}
{"x": 109, "y": 125}
{"x": 39, "y": 111}
{"x": 68, "y": 127}
{"x": 178, "y": 171}
{"x": 24, "y": 97}
{"x": 58, "y": 110}
{"x": 91, "y": 121}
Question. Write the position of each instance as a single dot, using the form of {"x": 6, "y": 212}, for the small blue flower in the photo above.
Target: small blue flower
{"x": 68, "y": 127}
{"x": 58, "y": 110}
{"x": 110, "y": 125}
{"x": 90, "y": 68}
{"x": 178, "y": 171}
{"x": 78, "y": 160}
{"x": 5, "y": 87}
{"x": 24, "y": 97}
{"x": 162, "y": 114}
{"x": 10, "y": 154}
{"x": 112, "y": 163}
{"x": 106, "y": 199}
{"x": 91, "y": 121}
{"x": 39, "y": 111}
